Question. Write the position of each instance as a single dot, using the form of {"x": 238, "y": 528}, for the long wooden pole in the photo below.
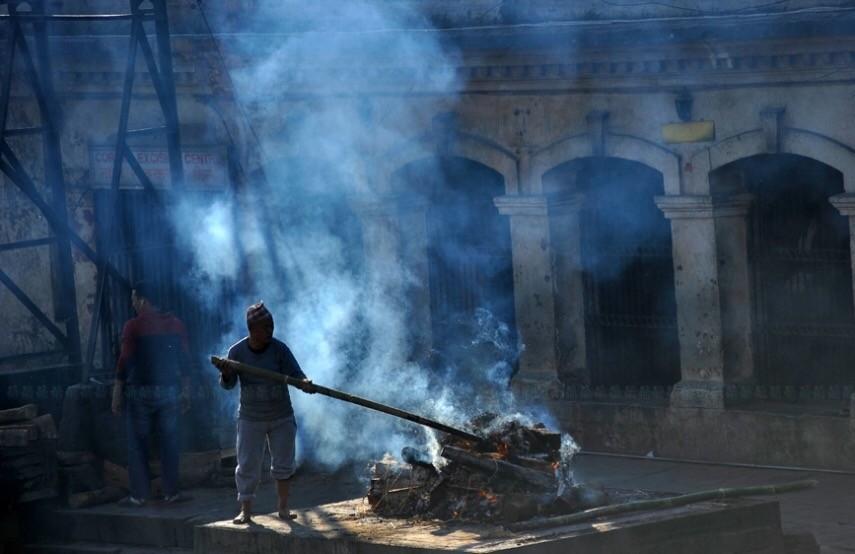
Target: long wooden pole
{"x": 662, "y": 503}
{"x": 333, "y": 393}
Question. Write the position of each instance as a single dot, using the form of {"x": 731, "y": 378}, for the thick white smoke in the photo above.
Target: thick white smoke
{"x": 347, "y": 324}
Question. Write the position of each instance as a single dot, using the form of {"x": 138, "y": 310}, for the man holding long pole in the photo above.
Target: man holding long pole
{"x": 265, "y": 415}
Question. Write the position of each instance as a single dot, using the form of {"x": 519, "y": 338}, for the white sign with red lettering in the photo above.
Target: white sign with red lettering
{"x": 204, "y": 167}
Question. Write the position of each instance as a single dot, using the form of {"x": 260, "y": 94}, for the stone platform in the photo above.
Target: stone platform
{"x": 729, "y": 527}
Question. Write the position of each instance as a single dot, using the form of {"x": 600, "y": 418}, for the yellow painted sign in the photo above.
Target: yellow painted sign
{"x": 690, "y": 131}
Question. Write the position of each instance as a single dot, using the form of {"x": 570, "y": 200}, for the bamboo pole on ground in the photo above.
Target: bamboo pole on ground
{"x": 662, "y": 503}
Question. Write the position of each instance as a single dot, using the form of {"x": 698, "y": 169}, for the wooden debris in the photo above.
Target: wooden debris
{"x": 501, "y": 468}
{"x": 28, "y": 453}
{"x": 21, "y": 413}
{"x": 18, "y": 436}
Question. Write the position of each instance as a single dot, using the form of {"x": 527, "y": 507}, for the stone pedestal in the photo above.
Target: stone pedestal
{"x": 534, "y": 285}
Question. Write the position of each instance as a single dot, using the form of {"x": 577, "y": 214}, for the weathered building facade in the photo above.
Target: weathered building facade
{"x": 663, "y": 198}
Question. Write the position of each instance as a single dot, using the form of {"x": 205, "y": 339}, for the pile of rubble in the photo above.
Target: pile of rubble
{"x": 515, "y": 473}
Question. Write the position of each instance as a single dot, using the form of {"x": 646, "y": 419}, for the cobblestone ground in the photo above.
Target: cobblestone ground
{"x": 827, "y": 511}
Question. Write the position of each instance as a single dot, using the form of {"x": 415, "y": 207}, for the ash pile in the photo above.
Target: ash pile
{"x": 517, "y": 472}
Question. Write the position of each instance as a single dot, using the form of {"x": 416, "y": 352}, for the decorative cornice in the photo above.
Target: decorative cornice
{"x": 746, "y": 63}
{"x": 538, "y": 205}
{"x": 845, "y": 203}
{"x": 521, "y": 204}
{"x": 687, "y": 206}
{"x": 788, "y": 61}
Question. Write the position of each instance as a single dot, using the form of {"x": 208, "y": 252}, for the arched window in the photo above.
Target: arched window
{"x": 804, "y": 325}
{"x": 628, "y": 272}
{"x": 468, "y": 247}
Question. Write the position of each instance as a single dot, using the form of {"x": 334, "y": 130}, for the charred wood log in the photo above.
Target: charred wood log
{"x": 500, "y": 468}
{"x": 415, "y": 457}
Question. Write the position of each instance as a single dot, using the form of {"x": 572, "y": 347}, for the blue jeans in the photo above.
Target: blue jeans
{"x": 145, "y": 414}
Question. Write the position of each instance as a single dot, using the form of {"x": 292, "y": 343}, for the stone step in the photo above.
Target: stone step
{"x": 131, "y": 528}
{"x": 98, "y": 548}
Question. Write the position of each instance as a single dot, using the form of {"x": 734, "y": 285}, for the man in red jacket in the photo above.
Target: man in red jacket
{"x": 150, "y": 382}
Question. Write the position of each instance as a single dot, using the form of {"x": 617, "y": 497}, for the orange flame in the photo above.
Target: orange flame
{"x": 503, "y": 449}
{"x": 488, "y": 496}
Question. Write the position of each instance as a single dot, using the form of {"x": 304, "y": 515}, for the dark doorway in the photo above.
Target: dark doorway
{"x": 145, "y": 248}
{"x": 799, "y": 248}
{"x": 628, "y": 272}
{"x": 469, "y": 250}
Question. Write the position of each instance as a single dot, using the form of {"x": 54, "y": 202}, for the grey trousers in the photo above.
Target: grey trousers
{"x": 279, "y": 436}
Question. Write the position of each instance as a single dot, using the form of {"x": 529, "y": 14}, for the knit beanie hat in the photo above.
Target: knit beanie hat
{"x": 258, "y": 313}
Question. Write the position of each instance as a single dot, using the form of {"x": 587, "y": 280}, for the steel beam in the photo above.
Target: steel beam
{"x": 13, "y": 170}
{"x": 6, "y": 85}
{"x": 38, "y": 72}
{"x": 164, "y": 53}
{"x": 25, "y": 244}
{"x": 65, "y": 302}
{"x": 22, "y": 297}
{"x": 146, "y": 15}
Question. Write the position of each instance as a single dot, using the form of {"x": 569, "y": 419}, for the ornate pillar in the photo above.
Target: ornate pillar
{"x": 845, "y": 204}
{"x": 534, "y": 287}
{"x": 699, "y": 316}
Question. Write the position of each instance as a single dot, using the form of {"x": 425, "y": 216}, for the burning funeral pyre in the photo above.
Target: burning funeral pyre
{"x": 515, "y": 473}
{"x": 499, "y": 470}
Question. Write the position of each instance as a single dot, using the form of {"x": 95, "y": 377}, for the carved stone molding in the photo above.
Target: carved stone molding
{"x": 845, "y": 203}
{"x": 688, "y": 206}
